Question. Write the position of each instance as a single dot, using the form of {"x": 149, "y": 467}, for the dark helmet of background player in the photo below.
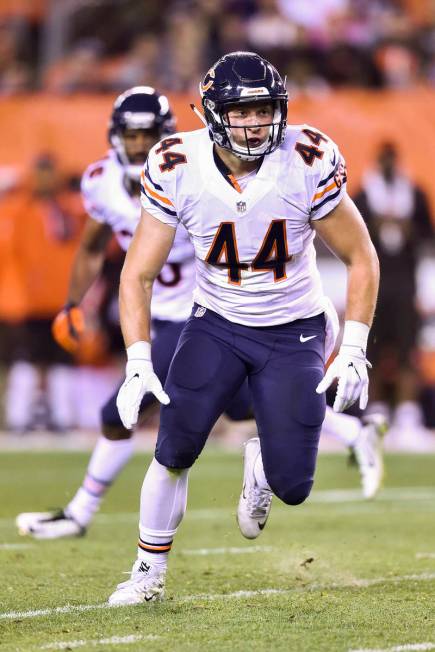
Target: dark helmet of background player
{"x": 139, "y": 108}
{"x": 242, "y": 78}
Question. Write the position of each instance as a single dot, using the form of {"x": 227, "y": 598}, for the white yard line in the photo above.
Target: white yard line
{"x": 15, "y": 546}
{"x": 411, "y": 647}
{"x": 226, "y": 551}
{"x": 114, "y": 640}
{"x": 357, "y": 583}
{"x": 325, "y": 496}
{"x": 425, "y": 555}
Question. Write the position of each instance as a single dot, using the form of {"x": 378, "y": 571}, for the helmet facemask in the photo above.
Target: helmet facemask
{"x": 140, "y": 108}
{"x": 223, "y": 131}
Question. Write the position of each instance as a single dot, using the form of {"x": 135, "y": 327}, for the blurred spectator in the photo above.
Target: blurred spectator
{"x": 15, "y": 73}
{"x": 139, "y": 66}
{"x": 80, "y": 71}
{"x": 44, "y": 220}
{"x": 397, "y": 215}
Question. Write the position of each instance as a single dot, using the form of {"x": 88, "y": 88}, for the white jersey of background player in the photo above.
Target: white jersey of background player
{"x": 108, "y": 201}
{"x": 110, "y": 190}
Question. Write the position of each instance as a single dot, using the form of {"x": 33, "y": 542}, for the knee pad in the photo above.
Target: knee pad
{"x": 292, "y": 495}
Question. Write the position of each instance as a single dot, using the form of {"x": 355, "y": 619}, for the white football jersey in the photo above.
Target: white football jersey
{"x": 255, "y": 258}
{"x": 108, "y": 201}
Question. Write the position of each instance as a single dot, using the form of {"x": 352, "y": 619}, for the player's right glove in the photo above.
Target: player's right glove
{"x": 350, "y": 368}
{"x": 68, "y": 326}
{"x": 139, "y": 379}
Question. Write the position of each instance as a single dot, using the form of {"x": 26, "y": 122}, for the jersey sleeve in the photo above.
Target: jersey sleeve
{"x": 157, "y": 195}
{"x": 329, "y": 182}
{"x": 91, "y": 191}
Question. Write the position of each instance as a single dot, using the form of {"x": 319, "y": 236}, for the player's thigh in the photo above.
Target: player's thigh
{"x": 164, "y": 343}
{"x": 111, "y": 424}
{"x": 240, "y": 407}
{"x": 289, "y": 415}
{"x": 203, "y": 377}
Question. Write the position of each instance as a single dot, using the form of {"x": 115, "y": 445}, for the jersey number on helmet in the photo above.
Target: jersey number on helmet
{"x": 272, "y": 255}
{"x": 171, "y": 159}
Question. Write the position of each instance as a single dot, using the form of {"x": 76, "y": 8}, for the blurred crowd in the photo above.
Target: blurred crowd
{"x": 105, "y": 46}
{"x": 67, "y": 46}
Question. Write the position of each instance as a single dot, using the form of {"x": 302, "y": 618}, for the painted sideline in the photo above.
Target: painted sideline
{"x": 357, "y": 583}
{"x": 411, "y": 647}
{"x": 113, "y": 640}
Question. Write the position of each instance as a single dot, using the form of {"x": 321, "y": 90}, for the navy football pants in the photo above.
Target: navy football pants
{"x": 213, "y": 359}
{"x": 164, "y": 343}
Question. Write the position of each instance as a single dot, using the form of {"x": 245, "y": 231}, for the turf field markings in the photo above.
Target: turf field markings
{"x": 15, "y": 546}
{"x": 322, "y": 496}
{"x": 226, "y": 551}
{"x": 425, "y": 555}
{"x": 356, "y": 583}
{"x": 113, "y": 640}
{"x": 411, "y": 647}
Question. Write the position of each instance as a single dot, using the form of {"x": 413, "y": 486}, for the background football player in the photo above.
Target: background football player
{"x": 111, "y": 189}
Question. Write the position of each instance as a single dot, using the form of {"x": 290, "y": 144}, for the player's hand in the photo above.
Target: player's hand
{"x": 350, "y": 368}
{"x": 68, "y": 326}
{"x": 139, "y": 379}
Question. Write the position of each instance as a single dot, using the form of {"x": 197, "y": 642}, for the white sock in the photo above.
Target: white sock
{"x": 408, "y": 414}
{"x": 259, "y": 475}
{"x": 108, "y": 459}
{"x": 21, "y": 389}
{"x": 163, "y": 502}
{"x": 343, "y": 426}
{"x": 60, "y": 386}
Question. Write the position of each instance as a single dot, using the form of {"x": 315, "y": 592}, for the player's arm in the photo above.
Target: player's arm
{"x": 344, "y": 232}
{"x": 146, "y": 256}
{"x": 69, "y": 325}
{"x": 89, "y": 259}
{"x": 147, "y": 253}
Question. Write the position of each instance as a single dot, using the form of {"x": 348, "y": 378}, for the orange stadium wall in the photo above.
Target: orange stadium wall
{"x": 74, "y": 128}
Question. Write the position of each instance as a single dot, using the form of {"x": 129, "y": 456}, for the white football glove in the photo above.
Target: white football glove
{"x": 350, "y": 368}
{"x": 139, "y": 379}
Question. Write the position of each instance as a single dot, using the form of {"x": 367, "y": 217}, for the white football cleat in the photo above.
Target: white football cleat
{"x": 146, "y": 584}
{"x": 255, "y": 502}
{"x": 369, "y": 455}
{"x": 48, "y": 525}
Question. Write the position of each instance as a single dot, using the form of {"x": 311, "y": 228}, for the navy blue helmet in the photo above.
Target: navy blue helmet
{"x": 241, "y": 78}
{"x": 141, "y": 107}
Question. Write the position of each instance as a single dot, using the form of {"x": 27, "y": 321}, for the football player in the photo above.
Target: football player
{"x": 252, "y": 194}
{"x": 111, "y": 191}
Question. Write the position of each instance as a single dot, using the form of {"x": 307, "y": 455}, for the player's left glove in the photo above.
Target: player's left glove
{"x": 139, "y": 379}
{"x": 350, "y": 368}
{"x": 68, "y": 327}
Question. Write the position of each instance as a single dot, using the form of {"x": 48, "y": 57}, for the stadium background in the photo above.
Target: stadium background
{"x": 363, "y": 72}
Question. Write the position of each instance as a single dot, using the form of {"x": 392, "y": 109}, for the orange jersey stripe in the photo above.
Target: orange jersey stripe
{"x": 156, "y": 195}
{"x": 235, "y": 183}
{"x": 324, "y": 191}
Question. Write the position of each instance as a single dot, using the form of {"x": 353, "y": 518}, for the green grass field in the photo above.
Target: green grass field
{"x": 334, "y": 574}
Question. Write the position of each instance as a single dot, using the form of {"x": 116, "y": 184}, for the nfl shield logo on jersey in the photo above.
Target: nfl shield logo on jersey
{"x": 200, "y": 311}
{"x": 241, "y": 206}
